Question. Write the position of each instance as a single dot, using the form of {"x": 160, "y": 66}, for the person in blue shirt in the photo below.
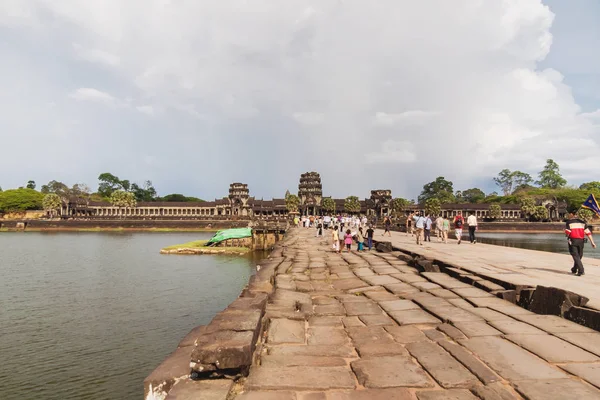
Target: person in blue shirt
{"x": 420, "y": 227}
{"x": 428, "y": 224}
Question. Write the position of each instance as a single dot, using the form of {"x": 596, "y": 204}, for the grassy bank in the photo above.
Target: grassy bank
{"x": 198, "y": 247}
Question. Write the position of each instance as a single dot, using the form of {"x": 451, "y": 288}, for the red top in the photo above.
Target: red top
{"x": 577, "y": 229}
{"x": 462, "y": 220}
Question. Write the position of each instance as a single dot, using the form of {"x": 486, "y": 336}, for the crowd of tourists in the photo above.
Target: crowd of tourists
{"x": 420, "y": 225}
{"x": 344, "y": 231}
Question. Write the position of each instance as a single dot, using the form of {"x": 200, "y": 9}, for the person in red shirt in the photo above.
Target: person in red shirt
{"x": 576, "y": 231}
{"x": 459, "y": 221}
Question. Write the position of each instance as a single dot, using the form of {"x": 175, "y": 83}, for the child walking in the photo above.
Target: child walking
{"x": 348, "y": 240}
{"x": 360, "y": 239}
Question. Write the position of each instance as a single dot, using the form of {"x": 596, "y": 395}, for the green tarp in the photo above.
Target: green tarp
{"x": 237, "y": 233}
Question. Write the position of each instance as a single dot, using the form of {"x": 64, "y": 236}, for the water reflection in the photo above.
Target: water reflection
{"x": 551, "y": 242}
{"x": 89, "y": 315}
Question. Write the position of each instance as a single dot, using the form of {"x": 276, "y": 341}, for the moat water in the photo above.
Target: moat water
{"x": 90, "y": 315}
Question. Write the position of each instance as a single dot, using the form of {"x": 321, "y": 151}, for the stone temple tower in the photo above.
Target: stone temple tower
{"x": 238, "y": 198}
{"x": 310, "y": 192}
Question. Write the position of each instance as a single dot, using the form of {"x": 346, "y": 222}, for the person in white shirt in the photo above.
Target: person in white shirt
{"x": 420, "y": 225}
{"x": 439, "y": 226}
{"x": 472, "y": 222}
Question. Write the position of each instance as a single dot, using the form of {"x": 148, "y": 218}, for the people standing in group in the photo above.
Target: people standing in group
{"x": 445, "y": 229}
{"x": 360, "y": 239}
{"x": 348, "y": 240}
{"x": 428, "y": 224}
{"x": 576, "y": 231}
{"x": 439, "y": 228}
{"x": 370, "y": 233}
{"x": 459, "y": 221}
{"x": 472, "y": 222}
{"x": 420, "y": 228}
{"x": 387, "y": 223}
{"x": 335, "y": 240}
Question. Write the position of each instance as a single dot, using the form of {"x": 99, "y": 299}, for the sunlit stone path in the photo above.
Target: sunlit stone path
{"x": 369, "y": 326}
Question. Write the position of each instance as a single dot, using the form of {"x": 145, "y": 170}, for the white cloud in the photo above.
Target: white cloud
{"x": 415, "y": 83}
{"x": 91, "y": 94}
{"x": 96, "y": 56}
{"x": 308, "y": 118}
{"x": 148, "y": 110}
{"x": 393, "y": 151}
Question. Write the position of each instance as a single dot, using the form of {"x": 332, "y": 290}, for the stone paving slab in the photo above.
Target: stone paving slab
{"x": 413, "y": 317}
{"x": 509, "y": 360}
{"x": 552, "y": 349}
{"x": 589, "y": 372}
{"x": 398, "y": 305}
{"x": 286, "y": 331}
{"x": 266, "y": 395}
{"x": 454, "y": 394}
{"x": 345, "y": 351}
{"x": 489, "y": 314}
{"x": 371, "y": 394}
{"x": 448, "y": 372}
{"x": 563, "y": 389}
{"x": 477, "y": 328}
{"x": 370, "y": 308}
{"x": 400, "y": 288}
{"x": 388, "y": 372}
{"x": 406, "y": 334}
{"x": 471, "y": 292}
{"x": 300, "y": 360}
{"x": 586, "y": 341}
{"x": 187, "y": 389}
{"x": 377, "y": 320}
{"x": 476, "y": 367}
{"x": 554, "y": 324}
{"x": 300, "y": 378}
{"x": 443, "y": 293}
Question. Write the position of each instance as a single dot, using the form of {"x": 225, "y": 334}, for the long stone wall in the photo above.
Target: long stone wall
{"x": 125, "y": 224}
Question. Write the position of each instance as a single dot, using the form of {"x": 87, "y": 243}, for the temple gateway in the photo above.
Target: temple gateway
{"x": 240, "y": 205}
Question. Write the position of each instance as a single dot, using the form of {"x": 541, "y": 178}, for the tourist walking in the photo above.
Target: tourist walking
{"x": 420, "y": 226}
{"x": 428, "y": 224}
{"x": 459, "y": 221}
{"x": 439, "y": 226}
{"x": 319, "y": 229}
{"x": 409, "y": 224}
{"x": 360, "y": 239}
{"x": 576, "y": 231}
{"x": 472, "y": 222}
{"x": 341, "y": 238}
{"x": 335, "y": 240}
{"x": 387, "y": 223}
{"x": 370, "y": 233}
{"x": 348, "y": 240}
{"x": 445, "y": 229}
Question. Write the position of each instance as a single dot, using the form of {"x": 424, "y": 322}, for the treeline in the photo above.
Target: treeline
{"x": 110, "y": 188}
{"x": 516, "y": 187}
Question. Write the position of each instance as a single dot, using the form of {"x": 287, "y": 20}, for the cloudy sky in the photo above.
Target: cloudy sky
{"x": 195, "y": 94}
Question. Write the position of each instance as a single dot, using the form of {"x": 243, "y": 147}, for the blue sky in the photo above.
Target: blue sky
{"x": 194, "y": 95}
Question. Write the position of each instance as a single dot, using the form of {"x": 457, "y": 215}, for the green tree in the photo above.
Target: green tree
{"x": 146, "y": 192}
{"x": 20, "y": 200}
{"x": 440, "y": 189}
{"x": 352, "y": 204}
{"x": 593, "y": 186}
{"x": 399, "y": 204}
{"x": 509, "y": 180}
{"x": 550, "y": 176}
{"x": 179, "y": 198}
{"x": 433, "y": 206}
{"x": 539, "y": 213}
{"x": 528, "y": 206}
{"x": 31, "y": 185}
{"x": 585, "y": 214}
{"x": 110, "y": 183}
{"x": 495, "y": 211}
{"x": 328, "y": 204}
{"x": 59, "y": 189}
{"x": 51, "y": 203}
{"x": 292, "y": 202}
{"x": 123, "y": 199}
{"x": 474, "y": 195}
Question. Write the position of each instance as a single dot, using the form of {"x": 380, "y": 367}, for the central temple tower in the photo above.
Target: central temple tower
{"x": 310, "y": 192}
